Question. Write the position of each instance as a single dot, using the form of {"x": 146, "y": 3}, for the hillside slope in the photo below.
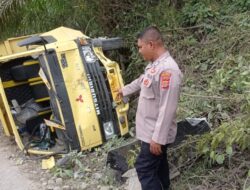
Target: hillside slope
{"x": 209, "y": 39}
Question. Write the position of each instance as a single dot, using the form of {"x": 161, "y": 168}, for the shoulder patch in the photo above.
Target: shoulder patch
{"x": 165, "y": 79}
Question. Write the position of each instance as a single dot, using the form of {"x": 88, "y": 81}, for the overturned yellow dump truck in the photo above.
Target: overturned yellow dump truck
{"x": 58, "y": 91}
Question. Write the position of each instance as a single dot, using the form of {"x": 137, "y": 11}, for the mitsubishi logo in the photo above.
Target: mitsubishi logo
{"x": 79, "y": 99}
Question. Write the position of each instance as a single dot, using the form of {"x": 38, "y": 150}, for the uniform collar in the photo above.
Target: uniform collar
{"x": 158, "y": 60}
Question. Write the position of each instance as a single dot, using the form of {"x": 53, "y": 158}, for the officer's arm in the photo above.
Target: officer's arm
{"x": 169, "y": 94}
{"x": 133, "y": 87}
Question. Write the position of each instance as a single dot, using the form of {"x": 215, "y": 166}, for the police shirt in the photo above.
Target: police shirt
{"x": 159, "y": 88}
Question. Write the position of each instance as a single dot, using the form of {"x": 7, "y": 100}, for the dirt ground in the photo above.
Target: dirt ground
{"x": 14, "y": 175}
{"x": 23, "y": 172}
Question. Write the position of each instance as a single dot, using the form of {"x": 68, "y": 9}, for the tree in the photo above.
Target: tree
{"x": 7, "y": 6}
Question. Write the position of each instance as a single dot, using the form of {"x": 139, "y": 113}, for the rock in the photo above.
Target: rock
{"x": 12, "y": 156}
{"x": 104, "y": 188}
{"x": 25, "y": 171}
{"x": 97, "y": 176}
{"x": 43, "y": 179}
{"x": 83, "y": 186}
{"x": 54, "y": 178}
{"x": 49, "y": 187}
{"x": 66, "y": 187}
{"x": 44, "y": 183}
{"x": 75, "y": 187}
{"x": 78, "y": 175}
{"x": 130, "y": 173}
{"x": 57, "y": 188}
{"x": 59, "y": 181}
{"x": 34, "y": 172}
{"x": 51, "y": 182}
{"x": 19, "y": 162}
{"x": 47, "y": 171}
{"x": 93, "y": 182}
{"x": 133, "y": 182}
{"x": 63, "y": 162}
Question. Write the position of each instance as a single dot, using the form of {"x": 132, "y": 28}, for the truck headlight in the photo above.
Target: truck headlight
{"x": 108, "y": 129}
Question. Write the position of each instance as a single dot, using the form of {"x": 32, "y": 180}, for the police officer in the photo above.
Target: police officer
{"x": 159, "y": 89}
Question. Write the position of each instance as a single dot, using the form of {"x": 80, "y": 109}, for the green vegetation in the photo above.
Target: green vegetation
{"x": 209, "y": 39}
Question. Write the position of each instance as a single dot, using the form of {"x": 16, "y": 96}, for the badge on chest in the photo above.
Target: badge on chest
{"x": 153, "y": 71}
{"x": 147, "y": 82}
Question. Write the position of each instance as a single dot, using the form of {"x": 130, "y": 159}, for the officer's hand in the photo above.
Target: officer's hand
{"x": 155, "y": 148}
{"x": 119, "y": 93}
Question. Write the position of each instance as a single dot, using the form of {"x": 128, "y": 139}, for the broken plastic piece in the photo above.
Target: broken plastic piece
{"x": 48, "y": 163}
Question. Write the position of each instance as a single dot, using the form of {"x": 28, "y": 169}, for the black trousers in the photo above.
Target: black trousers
{"x": 152, "y": 170}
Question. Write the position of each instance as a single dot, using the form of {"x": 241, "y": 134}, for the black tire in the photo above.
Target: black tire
{"x": 108, "y": 44}
{"x": 22, "y": 73}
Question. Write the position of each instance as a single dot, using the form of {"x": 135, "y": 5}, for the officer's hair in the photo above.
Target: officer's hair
{"x": 151, "y": 33}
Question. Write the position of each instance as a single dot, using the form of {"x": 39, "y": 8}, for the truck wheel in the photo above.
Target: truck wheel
{"x": 108, "y": 44}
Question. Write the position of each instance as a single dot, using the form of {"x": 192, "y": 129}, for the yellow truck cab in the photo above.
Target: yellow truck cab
{"x": 58, "y": 91}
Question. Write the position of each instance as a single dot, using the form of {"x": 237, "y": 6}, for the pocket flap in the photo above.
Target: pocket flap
{"x": 147, "y": 90}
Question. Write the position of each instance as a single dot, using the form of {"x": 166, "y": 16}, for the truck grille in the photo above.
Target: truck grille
{"x": 99, "y": 87}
